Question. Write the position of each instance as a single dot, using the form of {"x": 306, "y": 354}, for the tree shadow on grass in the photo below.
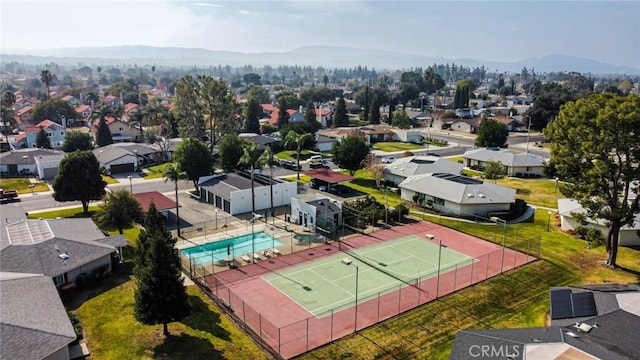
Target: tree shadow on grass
{"x": 185, "y": 346}
{"x": 523, "y": 191}
{"x": 203, "y": 319}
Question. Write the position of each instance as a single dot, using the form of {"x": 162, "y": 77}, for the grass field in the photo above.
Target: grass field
{"x": 291, "y": 154}
{"x": 520, "y": 299}
{"x": 397, "y": 146}
{"x": 540, "y": 192}
{"x": 365, "y": 183}
{"x": 22, "y": 185}
{"x": 155, "y": 172}
{"x": 63, "y": 213}
{"x": 304, "y": 179}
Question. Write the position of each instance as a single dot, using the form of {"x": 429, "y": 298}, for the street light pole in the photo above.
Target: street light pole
{"x": 130, "y": 184}
{"x": 528, "y": 131}
{"x": 439, "y": 259}
{"x": 504, "y": 238}
{"x": 355, "y": 323}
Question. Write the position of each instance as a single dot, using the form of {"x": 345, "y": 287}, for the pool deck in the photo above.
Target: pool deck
{"x": 281, "y": 230}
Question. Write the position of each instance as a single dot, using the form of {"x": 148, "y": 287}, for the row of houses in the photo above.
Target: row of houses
{"x": 114, "y": 159}
{"x": 39, "y": 258}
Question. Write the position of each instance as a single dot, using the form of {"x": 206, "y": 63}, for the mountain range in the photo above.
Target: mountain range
{"x": 326, "y": 56}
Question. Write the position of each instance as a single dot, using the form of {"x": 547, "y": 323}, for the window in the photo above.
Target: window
{"x": 60, "y": 279}
{"x": 528, "y": 169}
{"x": 61, "y": 133}
{"x": 438, "y": 201}
{"x": 121, "y": 129}
{"x": 49, "y": 134}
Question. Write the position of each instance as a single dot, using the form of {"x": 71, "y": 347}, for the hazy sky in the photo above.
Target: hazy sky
{"x": 607, "y": 31}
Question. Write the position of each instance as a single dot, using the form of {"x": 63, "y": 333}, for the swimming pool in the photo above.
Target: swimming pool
{"x": 230, "y": 248}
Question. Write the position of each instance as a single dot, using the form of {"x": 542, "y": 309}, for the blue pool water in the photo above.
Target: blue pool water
{"x": 229, "y": 248}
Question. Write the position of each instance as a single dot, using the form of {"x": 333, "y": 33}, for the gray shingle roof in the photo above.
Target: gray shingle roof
{"x": 223, "y": 184}
{"x": 447, "y": 188}
{"x": 35, "y": 246}
{"x": 33, "y": 321}
{"x": 107, "y": 154}
{"x": 134, "y": 148}
{"x": 416, "y": 165}
{"x": 507, "y": 157}
{"x": 25, "y": 156}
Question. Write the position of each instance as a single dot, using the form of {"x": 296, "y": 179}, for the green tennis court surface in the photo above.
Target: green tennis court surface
{"x": 327, "y": 284}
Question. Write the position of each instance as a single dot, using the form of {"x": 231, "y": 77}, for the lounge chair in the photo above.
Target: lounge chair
{"x": 256, "y": 256}
{"x": 276, "y": 251}
{"x": 266, "y": 254}
{"x": 246, "y": 258}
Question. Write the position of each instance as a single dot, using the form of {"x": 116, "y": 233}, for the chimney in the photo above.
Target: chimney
{"x": 81, "y": 98}
{"x": 64, "y": 122}
{"x": 301, "y": 110}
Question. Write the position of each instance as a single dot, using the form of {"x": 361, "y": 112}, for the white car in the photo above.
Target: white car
{"x": 388, "y": 160}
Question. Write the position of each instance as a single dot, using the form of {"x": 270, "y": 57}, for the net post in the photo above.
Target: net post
{"x": 455, "y": 277}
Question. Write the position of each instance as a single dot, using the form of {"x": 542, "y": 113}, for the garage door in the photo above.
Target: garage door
{"x": 121, "y": 168}
{"x": 49, "y": 173}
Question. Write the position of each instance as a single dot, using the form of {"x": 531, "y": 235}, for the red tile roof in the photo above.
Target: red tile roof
{"x": 325, "y": 111}
{"x": 82, "y": 108}
{"x": 48, "y": 123}
{"x": 24, "y": 110}
{"x": 67, "y": 97}
{"x": 158, "y": 199}
{"x": 21, "y": 137}
{"x": 268, "y": 107}
{"x": 130, "y": 106}
{"x": 274, "y": 115}
{"x": 109, "y": 98}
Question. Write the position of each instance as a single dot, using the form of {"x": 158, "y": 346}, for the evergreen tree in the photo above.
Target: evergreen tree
{"x": 79, "y": 179}
{"x": 103, "y": 136}
{"x": 283, "y": 115}
{"x": 42, "y": 139}
{"x": 252, "y": 113}
{"x": 374, "y": 117}
{"x": 341, "y": 118}
{"x": 76, "y": 140}
{"x": 160, "y": 295}
{"x": 492, "y": 134}
{"x": 310, "y": 118}
{"x": 401, "y": 119}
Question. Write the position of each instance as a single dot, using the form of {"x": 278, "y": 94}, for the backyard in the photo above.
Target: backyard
{"x": 156, "y": 171}
{"x": 304, "y": 154}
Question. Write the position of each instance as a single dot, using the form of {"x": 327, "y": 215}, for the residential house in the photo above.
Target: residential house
{"x": 322, "y": 215}
{"x": 130, "y": 111}
{"x": 510, "y": 122}
{"x": 518, "y": 163}
{"x": 84, "y": 112}
{"x": 120, "y": 130}
{"x": 111, "y": 101}
{"x": 22, "y": 161}
{"x": 72, "y": 100}
{"x": 629, "y": 234}
{"x": 48, "y": 166}
{"x": 145, "y": 153}
{"x": 22, "y": 103}
{"x": 457, "y": 194}
{"x": 24, "y": 117}
{"x": 162, "y": 203}
{"x": 324, "y": 115}
{"x": 465, "y": 125}
{"x": 327, "y": 137}
{"x": 294, "y": 116}
{"x": 33, "y": 321}
{"x": 464, "y": 113}
{"x": 353, "y": 107}
{"x": 55, "y": 132}
{"x": 402, "y": 168}
{"x": 585, "y": 324}
{"x": 62, "y": 249}
{"x": 260, "y": 140}
{"x": 231, "y": 192}
{"x": 165, "y": 147}
{"x": 116, "y": 160}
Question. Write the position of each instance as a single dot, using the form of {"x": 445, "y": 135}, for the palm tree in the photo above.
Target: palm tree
{"x": 268, "y": 159}
{"x": 293, "y": 138}
{"x": 173, "y": 173}
{"x": 47, "y": 78}
{"x": 252, "y": 159}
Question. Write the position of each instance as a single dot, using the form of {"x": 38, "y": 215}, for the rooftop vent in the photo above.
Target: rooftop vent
{"x": 63, "y": 256}
{"x": 470, "y": 195}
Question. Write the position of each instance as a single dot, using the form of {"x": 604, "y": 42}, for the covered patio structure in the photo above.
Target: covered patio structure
{"x": 328, "y": 180}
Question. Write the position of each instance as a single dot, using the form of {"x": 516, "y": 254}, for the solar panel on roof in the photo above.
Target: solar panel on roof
{"x": 561, "y": 304}
{"x": 583, "y": 304}
{"x": 459, "y": 179}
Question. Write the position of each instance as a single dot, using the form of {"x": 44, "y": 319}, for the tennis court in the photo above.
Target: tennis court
{"x": 330, "y": 284}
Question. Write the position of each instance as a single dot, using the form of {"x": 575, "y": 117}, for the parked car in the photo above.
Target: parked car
{"x": 315, "y": 159}
{"x": 288, "y": 164}
{"x": 388, "y": 160}
{"x": 318, "y": 165}
{"x": 8, "y": 195}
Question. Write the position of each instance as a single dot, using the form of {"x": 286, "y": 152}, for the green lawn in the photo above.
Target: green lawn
{"x": 519, "y": 299}
{"x": 63, "y": 213}
{"x": 109, "y": 179}
{"x": 156, "y": 171}
{"x": 541, "y": 192}
{"x": 22, "y": 185}
{"x": 291, "y": 154}
{"x": 397, "y": 146}
{"x": 304, "y": 179}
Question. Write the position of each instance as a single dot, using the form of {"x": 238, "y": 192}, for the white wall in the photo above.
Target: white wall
{"x": 626, "y": 238}
{"x": 41, "y": 165}
{"x": 299, "y": 206}
{"x": 282, "y": 194}
{"x": 89, "y": 268}
{"x": 455, "y": 208}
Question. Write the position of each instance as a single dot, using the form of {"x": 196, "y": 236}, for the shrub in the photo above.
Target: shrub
{"x": 77, "y": 325}
{"x": 408, "y": 153}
